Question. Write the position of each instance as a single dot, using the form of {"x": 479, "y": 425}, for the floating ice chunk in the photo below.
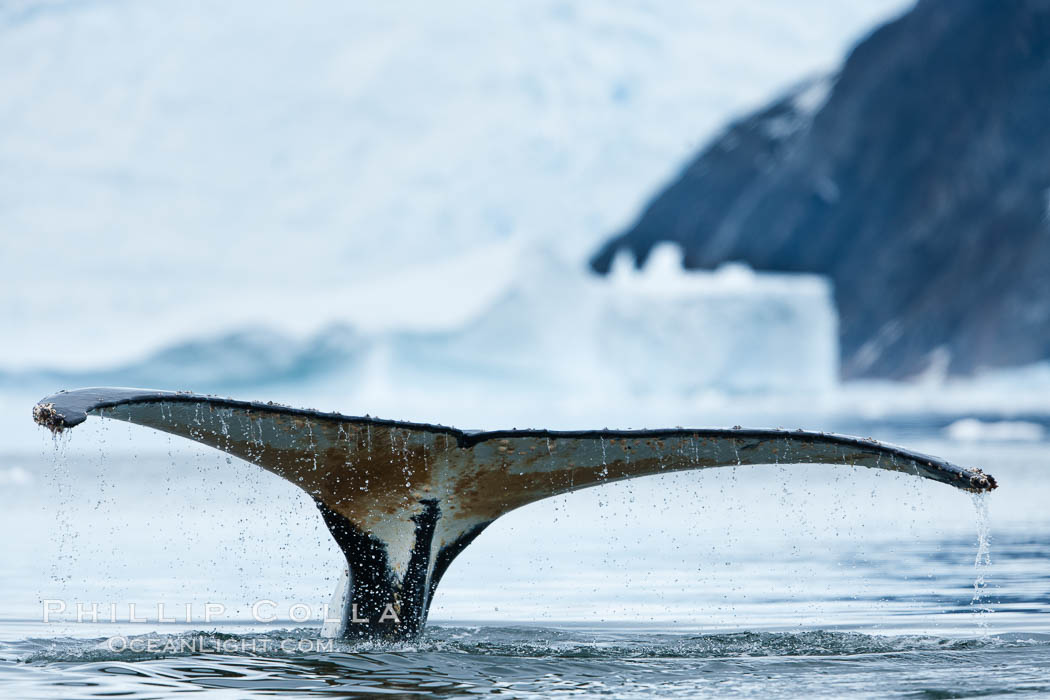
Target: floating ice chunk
{"x": 668, "y": 330}
{"x": 15, "y": 476}
{"x": 973, "y": 430}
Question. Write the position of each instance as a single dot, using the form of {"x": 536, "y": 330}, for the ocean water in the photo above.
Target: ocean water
{"x": 808, "y": 580}
{"x": 543, "y": 662}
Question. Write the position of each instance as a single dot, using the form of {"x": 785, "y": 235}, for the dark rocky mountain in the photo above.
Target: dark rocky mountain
{"x": 920, "y": 185}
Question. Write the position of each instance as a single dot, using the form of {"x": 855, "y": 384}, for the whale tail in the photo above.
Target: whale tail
{"x": 402, "y": 500}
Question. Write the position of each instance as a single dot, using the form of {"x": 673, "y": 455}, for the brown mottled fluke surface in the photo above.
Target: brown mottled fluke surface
{"x": 370, "y": 469}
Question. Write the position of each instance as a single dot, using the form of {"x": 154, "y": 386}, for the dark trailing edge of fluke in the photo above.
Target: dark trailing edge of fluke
{"x": 403, "y": 499}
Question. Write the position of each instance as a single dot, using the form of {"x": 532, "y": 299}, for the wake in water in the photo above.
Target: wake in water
{"x": 531, "y": 662}
{"x": 516, "y": 641}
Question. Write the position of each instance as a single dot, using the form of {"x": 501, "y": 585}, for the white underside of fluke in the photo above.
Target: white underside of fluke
{"x": 333, "y": 625}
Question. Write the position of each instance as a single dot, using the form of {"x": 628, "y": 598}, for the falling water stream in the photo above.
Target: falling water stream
{"x": 981, "y": 607}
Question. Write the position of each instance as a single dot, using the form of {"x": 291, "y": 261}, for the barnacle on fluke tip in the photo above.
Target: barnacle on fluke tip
{"x": 981, "y": 482}
{"x": 46, "y": 415}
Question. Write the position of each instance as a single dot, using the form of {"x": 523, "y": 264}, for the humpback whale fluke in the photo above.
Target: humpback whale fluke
{"x": 403, "y": 499}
